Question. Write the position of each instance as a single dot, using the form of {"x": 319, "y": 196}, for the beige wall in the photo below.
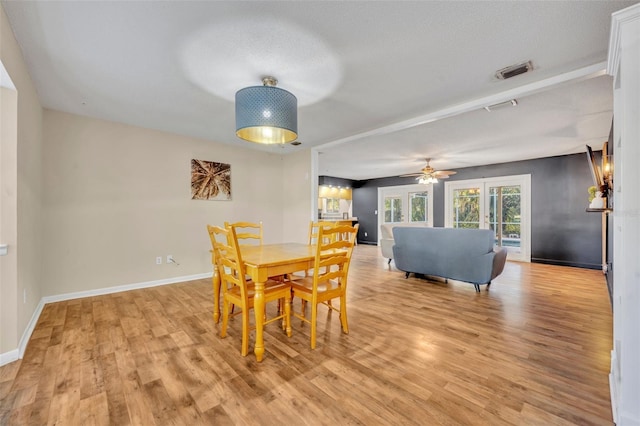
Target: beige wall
{"x": 8, "y": 217}
{"x": 26, "y": 254}
{"x": 297, "y": 187}
{"x": 117, "y": 196}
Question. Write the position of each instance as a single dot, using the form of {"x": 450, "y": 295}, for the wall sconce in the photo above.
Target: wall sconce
{"x": 607, "y": 168}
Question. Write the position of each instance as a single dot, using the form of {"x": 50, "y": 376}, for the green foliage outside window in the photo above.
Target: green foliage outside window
{"x": 392, "y": 210}
{"x": 418, "y": 203}
{"x": 511, "y": 206}
{"x": 466, "y": 208}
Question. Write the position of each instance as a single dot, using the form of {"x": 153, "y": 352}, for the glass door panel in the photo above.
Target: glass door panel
{"x": 466, "y": 208}
{"x": 392, "y": 209}
{"x": 505, "y": 212}
{"x": 419, "y": 206}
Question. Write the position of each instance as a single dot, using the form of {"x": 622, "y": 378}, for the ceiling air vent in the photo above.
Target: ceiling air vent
{"x": 513, "y": 70}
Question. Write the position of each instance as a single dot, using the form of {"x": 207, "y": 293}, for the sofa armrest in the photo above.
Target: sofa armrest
{"x": 498, "y": 262}
{"x": 474, "y": 269}
{"x": 386, "y": 246}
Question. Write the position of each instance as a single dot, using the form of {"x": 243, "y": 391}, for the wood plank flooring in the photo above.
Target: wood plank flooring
{"x": 534, "y": 349}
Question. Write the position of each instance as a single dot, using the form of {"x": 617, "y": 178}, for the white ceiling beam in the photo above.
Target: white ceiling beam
{"x": 580, "y": 74}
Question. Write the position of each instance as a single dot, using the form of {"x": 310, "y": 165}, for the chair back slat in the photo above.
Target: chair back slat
{"x": 337, "y": 241}
{"x": 228, "y": 259}
{"x": 247, "y": 232}
{"x": 314, "y": 227}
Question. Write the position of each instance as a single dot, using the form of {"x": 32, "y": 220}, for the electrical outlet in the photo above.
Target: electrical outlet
{"x": 169, "y": 258}
{"x": 159, "y": 260}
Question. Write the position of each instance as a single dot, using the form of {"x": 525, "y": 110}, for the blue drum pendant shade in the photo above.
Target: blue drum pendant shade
{"x": 266, "y": 114}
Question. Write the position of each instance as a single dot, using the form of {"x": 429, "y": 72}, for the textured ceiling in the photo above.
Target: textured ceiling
{"x": 381, "y": 85}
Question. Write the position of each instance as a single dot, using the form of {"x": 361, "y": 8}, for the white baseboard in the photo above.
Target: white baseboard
{"x": 126, "y": 287}
{"x": 24, "y": 341}
{"x": 614, "y": 383}
{"x": 8, "y": 357}
{"x": 18, "y": 353}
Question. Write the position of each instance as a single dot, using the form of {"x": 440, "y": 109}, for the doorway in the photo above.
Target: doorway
{"x": 405, "y": 204}
{"x": 502, "y": 204}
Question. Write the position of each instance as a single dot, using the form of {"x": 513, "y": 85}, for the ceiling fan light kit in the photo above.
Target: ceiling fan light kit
{"x": 266, "y": 114}
{"x": 426, "y": 180}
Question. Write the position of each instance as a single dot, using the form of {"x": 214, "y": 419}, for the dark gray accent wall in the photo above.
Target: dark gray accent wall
{"x": 562, "y": 232}
{"x": 365, "y": 203}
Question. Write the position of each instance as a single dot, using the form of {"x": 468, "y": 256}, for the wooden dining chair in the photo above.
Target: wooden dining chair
{"x": 247, "y": 232}
{"x": 236, "y": 291}
{"x": 215, "y": 277}
{"x": 314, "y": 228}
{"x": 329, "y": 279}
{"x": 313, "y": 239}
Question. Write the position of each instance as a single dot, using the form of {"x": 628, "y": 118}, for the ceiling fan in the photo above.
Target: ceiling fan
{"x": 430, "y": 175}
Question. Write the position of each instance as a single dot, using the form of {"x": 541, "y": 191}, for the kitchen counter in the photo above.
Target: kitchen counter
{"x": 349, "y": 219}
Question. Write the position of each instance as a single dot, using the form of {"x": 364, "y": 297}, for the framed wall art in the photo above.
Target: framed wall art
{"x": 210, "y": 180}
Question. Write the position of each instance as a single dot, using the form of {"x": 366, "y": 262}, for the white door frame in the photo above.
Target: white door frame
{"x": 525, "y": 215}
{"x": 403, "y": 192}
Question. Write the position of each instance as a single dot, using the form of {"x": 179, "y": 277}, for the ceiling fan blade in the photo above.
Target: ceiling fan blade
{"x": 429, "y": 172}
{"x": 443, "y": 173}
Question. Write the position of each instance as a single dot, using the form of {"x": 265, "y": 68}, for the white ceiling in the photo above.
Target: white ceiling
{"x": 381, "y": 85}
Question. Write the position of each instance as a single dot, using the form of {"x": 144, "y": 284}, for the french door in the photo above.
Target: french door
{"x": 405, "y": 204}
{"x": 502, "y": 204}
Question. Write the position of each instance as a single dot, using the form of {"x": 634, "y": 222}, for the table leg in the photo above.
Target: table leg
{"x": 258, "y": 309}
{"x": 216, "y": 296}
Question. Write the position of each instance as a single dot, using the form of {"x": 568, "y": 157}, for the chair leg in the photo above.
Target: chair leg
{"x": 343, "y": 314}
{"x": 245, "y": 332}
{"x": 406, "y": 275}
{"x": 477, "y": 286}
{"x": 389, "y": 262}
{"x": 314, "y": 320}
{"x": 287, "y": 314}
{"x": 225, "y": 318}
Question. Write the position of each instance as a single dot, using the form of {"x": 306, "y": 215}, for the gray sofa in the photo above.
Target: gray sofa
{"x": 459, "y": 254}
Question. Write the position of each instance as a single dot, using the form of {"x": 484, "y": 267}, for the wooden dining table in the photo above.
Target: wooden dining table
{"x": 262, "y": 262}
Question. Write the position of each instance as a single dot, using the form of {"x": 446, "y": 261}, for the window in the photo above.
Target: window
{"x": 466, "y": 208}
{"x": 333, "y": 205}
{"x": 392, "y": 209}
{"x": 419, "y": 206}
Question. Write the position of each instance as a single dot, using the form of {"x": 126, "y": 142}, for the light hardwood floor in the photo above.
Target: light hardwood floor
{"x": 534, "y": 349}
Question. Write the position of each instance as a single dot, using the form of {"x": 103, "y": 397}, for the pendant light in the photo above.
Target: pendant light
{"x": 266, "y": 114}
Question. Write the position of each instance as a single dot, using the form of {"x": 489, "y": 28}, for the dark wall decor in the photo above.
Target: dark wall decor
{"x": 562, "y": 232}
